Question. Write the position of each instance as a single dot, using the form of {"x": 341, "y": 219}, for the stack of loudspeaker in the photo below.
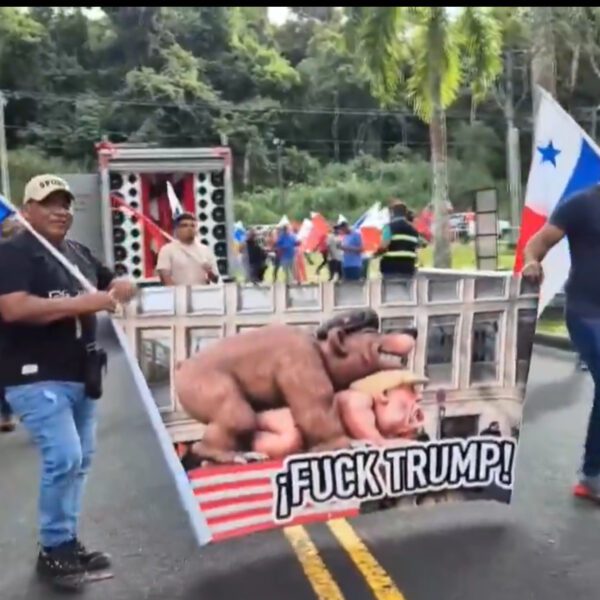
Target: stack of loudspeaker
{"x": 128, "y": 233}
{"x": 209, "y": 200}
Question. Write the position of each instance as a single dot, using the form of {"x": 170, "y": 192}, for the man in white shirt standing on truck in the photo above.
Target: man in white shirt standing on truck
{"x": 186, "y": 261}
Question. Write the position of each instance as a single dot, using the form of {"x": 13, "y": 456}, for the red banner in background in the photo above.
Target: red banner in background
{"x": 320, "y": 229}
{"x": 371, "y": 238}
{"x": 154, "y": 233}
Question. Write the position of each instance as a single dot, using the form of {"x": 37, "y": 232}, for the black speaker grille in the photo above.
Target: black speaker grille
{"x": 116, "y": 181}
{"x": 217, "y": 178}
{"x": 221, "y": 249}
{"x": 120, "y": 253}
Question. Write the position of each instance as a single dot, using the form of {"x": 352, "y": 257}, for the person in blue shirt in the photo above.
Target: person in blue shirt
{"x": 352, "y": 262}
{"x": 285, "y": 246}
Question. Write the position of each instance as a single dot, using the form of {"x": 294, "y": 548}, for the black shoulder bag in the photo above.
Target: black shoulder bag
{"x": 96, "y": 362}
{"x": 96, "y": 358}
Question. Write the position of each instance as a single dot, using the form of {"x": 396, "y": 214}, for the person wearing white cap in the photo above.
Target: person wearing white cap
{"x": 51, "y": 366}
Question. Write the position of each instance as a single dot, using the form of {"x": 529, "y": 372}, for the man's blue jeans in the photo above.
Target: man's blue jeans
{"x": 62, "y": 422}
{"x": 585, "y": 335}
{"x": 353, "y": 273}
{"x": 5, "y": 410}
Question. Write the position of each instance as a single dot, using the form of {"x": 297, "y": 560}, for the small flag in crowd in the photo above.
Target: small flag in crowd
{"x": 6, "y": 209}
{"x": 176, "y": 208}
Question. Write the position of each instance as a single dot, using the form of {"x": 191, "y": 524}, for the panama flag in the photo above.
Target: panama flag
{"x": 7, "y": 210}
{"x": 566, "y": 160}
{"x": 367, "y": 218}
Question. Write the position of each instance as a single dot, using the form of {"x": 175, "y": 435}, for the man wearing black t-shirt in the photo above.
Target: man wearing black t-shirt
{"x": 47, "y": 326}
{"x": 578, "y": 218}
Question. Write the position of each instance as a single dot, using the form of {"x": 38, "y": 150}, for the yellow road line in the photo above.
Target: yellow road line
{"x": 378, "y": 580}
{"x": 314, "y": 568}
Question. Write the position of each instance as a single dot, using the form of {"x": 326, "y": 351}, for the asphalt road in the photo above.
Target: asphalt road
{"x": 546, "y": 545}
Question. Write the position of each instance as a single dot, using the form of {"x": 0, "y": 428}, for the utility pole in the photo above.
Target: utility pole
{"x": 543, "y": 60}
{"x": 513, "y": 162}
{"x": 3, "y": 151}
{"x": 279, "y": 146}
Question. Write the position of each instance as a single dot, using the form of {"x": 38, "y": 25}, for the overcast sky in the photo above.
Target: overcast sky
{"x": 278, "y": 14}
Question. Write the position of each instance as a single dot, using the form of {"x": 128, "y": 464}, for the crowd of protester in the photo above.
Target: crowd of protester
{"x": 341, "y": 251}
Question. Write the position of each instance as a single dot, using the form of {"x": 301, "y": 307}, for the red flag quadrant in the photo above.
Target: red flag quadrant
{"x": 371, "y": 238}
{"x": 320, "y": 228}
{"x": 531, "y": 223}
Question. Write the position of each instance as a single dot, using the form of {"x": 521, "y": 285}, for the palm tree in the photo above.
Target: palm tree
{"x": 440, "y": 49}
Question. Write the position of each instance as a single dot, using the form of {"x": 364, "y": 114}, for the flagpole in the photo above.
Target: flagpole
{"x": 3, "y": 150}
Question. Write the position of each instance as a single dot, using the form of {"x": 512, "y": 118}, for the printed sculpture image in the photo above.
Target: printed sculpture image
{"x": 236, "y": 385}
{"x": 381, "y": 409}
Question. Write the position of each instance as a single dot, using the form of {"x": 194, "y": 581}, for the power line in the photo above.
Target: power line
{"x": 452, "y": 114}
{"x": 226, "y": 107}
{"x": 290, "y": 140}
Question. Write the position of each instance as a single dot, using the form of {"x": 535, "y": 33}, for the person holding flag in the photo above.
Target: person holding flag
{"x": 578, "y": 219}
{"x": 185, "y": 260}
{"x": 560, "y": 240}
{"x": 51, "y": 366}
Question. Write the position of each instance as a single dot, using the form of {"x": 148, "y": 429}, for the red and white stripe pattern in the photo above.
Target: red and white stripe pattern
{"x": 237, "y": 500}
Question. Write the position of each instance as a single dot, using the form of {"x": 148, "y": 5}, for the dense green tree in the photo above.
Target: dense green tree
{"x": 290, "y": 100}
{"x": 443, "y": 51}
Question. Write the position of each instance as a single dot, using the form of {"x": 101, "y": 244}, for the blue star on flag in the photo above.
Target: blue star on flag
{"x": 549, "y": 153}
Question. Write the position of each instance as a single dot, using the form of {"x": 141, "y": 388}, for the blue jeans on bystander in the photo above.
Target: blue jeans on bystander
{"x": 5, "y": 409}
{"x": 62, "y": 422}
{"x": 585, "y": 335}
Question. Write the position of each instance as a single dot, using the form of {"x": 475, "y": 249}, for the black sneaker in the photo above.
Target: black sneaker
{"x": 61, "y": 567}
{"x": 92, "y": 561}
{"x": 7, "y": 424}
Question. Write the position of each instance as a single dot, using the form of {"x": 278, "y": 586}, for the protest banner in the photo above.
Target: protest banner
{"x": 290, "y": 404}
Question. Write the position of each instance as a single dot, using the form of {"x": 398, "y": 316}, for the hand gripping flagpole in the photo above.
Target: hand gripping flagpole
{"x": 186, "y": 495}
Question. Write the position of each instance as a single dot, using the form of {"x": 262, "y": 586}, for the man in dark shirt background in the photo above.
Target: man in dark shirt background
{"x": 256, "y": 257}
{"x": 400, "y": 241}
{"x": 578, "y": 218}
{"x": 47, "y": 326}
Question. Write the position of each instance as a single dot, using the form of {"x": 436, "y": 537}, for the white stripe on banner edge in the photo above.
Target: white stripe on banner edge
{"x": 182, "y": 483}
{"x": 231, "y": 509}
{"x": 233, "y": 493}
{"x": 211, "y": 480}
